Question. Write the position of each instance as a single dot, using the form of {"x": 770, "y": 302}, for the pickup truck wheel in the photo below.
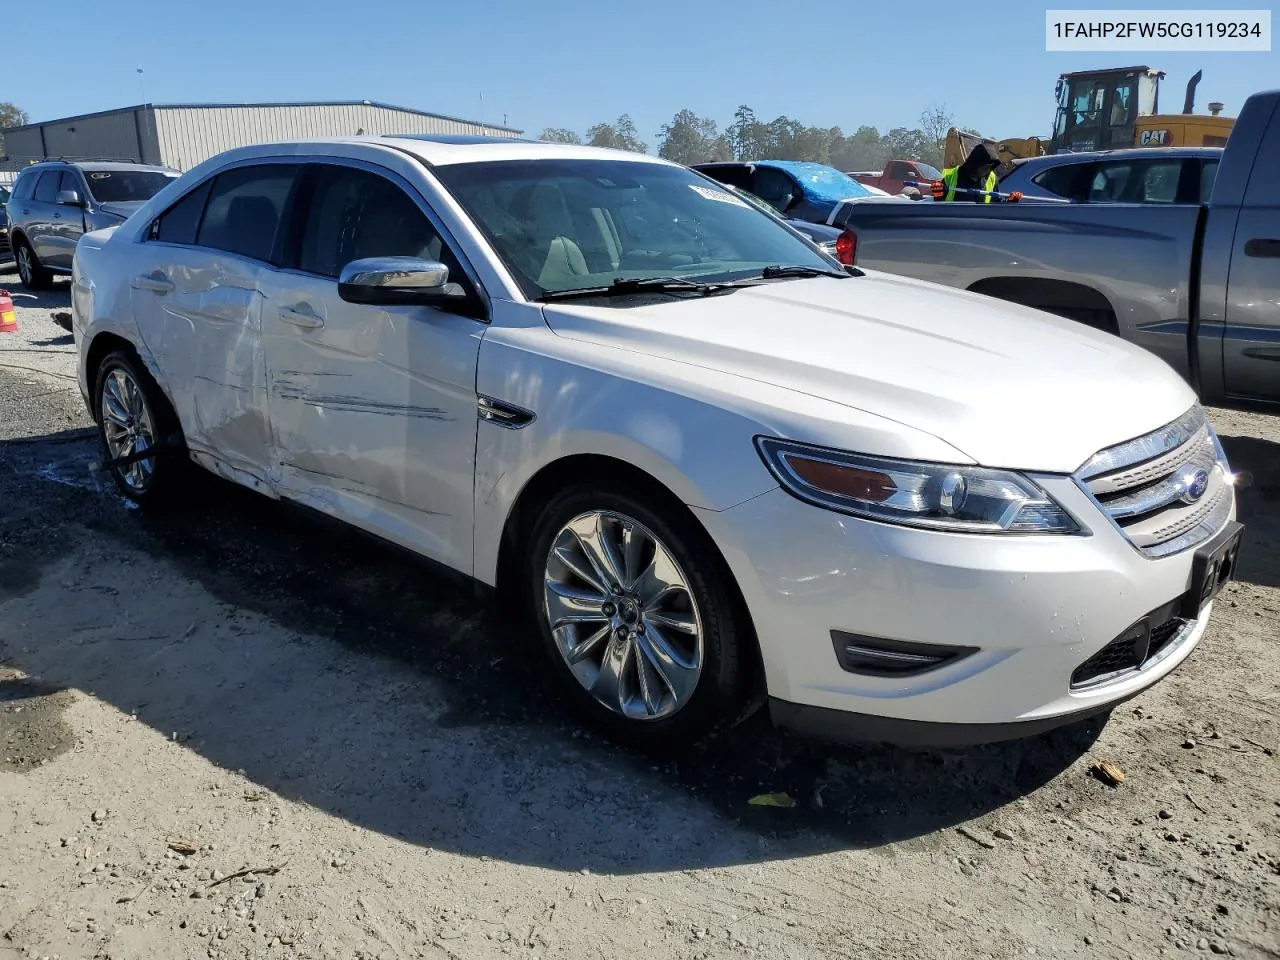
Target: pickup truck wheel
{"x": 32, "y": 275}
{"x": 134, "y": 417}
{"x": 635, "y": 611}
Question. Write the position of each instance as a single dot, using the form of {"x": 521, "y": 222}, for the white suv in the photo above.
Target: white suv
{"x": 713, "y": 464}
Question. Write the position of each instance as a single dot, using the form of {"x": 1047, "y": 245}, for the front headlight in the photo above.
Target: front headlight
{"x": 933, "y": 495}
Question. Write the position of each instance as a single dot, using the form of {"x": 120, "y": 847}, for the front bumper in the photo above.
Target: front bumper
{"x": 1035, "y": 607}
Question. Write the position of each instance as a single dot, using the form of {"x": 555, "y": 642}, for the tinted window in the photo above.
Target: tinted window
{"x": 244, "y": 209}
{"x": 354, "y": 214}
{"x": 124, "y": 186}
{"x": 928, "y": 172}
{"x": 4, "y": 195}
{"x": 1058, "y": 180}
{"x": 1208, "y": 173}
{"x": 1136, "y": 181}
{"x": 25, "y": 185}
{"x": 775, "y": 188}
{"x": 47, "y": 186}
{"x": 180, "y": 222}
{"x": 71, "y": 182}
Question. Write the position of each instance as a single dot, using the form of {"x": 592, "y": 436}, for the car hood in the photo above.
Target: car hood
{"x": 1004, "y": 384}
{"x": 121, "y": 208}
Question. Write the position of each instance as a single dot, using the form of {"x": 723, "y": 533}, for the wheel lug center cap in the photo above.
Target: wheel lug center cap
{"x": 628, "y": 611}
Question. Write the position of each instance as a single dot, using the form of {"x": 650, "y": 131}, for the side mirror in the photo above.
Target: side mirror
{"x": 69, "y": 198}
{"x": 402, "y": 281}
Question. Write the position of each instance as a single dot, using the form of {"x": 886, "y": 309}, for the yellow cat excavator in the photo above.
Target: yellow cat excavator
{"x": 1105, "y": 110}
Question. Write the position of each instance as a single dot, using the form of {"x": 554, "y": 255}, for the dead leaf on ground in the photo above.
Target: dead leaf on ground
{"x": 1108, "y": 773}
{"x": 780, "y": 800}
{"x": 184, "y": 847}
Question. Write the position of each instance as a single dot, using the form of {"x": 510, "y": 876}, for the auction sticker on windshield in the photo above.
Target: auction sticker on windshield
{"x": 712, "y": 194}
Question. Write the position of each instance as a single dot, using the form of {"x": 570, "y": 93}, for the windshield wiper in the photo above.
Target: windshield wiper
{"x": 626, "y": 285}
{"x": 776, "y": 272}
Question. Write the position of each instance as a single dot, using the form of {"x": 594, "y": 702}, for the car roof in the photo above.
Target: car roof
{"x": 1122, "y": 153}
{"x": 444, "y": 149}
{"x": 100, "y": 165}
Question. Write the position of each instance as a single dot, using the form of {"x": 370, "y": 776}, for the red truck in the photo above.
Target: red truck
{"x": 890, "y": 179}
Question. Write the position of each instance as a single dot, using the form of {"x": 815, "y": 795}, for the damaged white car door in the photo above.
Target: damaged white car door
{"x": 197, "y": 303}
{"x": 372, "y": 408}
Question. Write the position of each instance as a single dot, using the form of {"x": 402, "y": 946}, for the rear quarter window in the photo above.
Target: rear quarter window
{"x": 25, "y": 184}
{"x": 1058, "y": 180}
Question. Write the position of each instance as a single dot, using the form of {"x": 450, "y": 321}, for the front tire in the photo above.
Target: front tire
{"x": 32, "y": 275}
{"x": 636, "y": 611}
{"x": 135, "y": 417}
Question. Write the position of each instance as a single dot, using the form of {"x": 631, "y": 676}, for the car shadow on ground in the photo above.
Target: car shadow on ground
{"x": 430, "y": 719}
{"x": 1256, "y": 463}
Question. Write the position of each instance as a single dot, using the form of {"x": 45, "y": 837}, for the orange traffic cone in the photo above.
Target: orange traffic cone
{"x": 8, "y": 316}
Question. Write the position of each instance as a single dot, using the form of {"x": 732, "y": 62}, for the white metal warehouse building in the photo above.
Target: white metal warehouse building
{"x": 181, "y": 135}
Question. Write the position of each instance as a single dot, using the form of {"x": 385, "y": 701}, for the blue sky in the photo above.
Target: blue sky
{"x": 571, "y": 64}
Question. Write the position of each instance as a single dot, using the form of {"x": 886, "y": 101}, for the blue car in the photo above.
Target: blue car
{"x": 799, "y": 190}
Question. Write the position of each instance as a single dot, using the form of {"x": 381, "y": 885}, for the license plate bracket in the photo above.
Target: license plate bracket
{"x": 1213, "y": 565}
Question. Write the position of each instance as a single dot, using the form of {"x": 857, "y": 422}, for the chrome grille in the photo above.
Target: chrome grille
{"x": 1148, "y": 486}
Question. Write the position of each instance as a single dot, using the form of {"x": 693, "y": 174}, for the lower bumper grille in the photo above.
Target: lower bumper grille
{"x": 1141, "y": 646}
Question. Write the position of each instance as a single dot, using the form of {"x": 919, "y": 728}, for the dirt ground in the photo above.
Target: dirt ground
{"x": 236, "y": 731}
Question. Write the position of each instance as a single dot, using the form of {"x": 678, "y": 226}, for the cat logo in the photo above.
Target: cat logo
{"x": 1155, "y": 138}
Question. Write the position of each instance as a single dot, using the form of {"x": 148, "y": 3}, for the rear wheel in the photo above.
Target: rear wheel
{"x": 135, "y": 419}
{"x": 638, "y": 617}
{"x": 32, "y": 275}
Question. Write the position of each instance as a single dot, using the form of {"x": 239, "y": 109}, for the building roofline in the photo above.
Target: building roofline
{"x": 268, "y": 104}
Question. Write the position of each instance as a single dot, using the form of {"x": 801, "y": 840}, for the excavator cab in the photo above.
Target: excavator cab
{"x": 1099, "y": 109}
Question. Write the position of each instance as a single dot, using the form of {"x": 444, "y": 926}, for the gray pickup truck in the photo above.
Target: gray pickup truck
{"x": 1197, "y": 284}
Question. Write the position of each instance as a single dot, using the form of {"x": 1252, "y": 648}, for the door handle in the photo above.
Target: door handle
{"x": 161, "y": 284}
{"x": 1260, "y": 247}
{"x": 301, "y": 318}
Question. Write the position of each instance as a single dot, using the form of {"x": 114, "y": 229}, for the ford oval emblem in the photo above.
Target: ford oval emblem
{"x": 1196, "y": 484}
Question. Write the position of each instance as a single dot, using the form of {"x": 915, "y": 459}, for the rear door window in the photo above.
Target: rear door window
{"x": 244, "y": 210}
{"x": 47, "y": 186}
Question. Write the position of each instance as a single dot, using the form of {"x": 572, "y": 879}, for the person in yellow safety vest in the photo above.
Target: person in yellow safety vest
{"x": 978, "y": 172}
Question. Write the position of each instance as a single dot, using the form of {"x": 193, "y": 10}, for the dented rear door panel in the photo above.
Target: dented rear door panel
{"x": 199, "y": 312}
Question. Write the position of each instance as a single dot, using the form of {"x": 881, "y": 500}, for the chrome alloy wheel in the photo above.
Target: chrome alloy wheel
{"x": 127, "y": 426}
{"x": 24, "y": 264}
{"x": 623, "y": 616}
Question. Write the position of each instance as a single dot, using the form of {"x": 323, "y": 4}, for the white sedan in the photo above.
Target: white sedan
{"x": 714, "y": 465}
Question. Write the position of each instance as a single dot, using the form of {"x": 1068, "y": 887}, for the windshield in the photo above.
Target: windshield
{"x": 4, "y": 196}
{"x": 563, "y": 225}
{"x": 123, "y": 186}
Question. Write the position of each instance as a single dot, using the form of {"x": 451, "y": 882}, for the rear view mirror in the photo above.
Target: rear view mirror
{"x": 69, "y": 198}
{"x": 406, "y": 281}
